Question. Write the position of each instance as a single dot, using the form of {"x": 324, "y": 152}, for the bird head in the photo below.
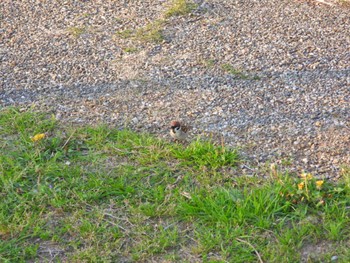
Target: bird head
{"x": 175, "y": 125}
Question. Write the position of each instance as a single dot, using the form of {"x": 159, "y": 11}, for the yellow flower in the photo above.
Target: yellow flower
{"x": 319, "y": 184}
{"x": 306, "y": 176}
{"x": 301, "y": 186}
{"x": 38, "y": 137}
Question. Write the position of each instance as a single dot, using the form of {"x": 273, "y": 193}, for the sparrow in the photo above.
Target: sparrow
{"x": 177, "y": 131}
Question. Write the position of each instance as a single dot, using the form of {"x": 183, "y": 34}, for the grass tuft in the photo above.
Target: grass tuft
{"x": 152, "y": 32}
{"x": 205, "y": 154}
{"x": 127, "y": 33}
{"x": 76, "y": 31}
{"x": 238, "y": 73}
{"x": 179, "y": 8}
{"x": 130, "y": 49}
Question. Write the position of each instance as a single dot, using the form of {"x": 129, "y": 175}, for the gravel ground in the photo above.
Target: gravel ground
{"x": 271, "y": 76}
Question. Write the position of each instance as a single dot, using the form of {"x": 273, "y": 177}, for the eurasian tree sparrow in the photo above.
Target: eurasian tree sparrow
{"x": 177, "y": 131}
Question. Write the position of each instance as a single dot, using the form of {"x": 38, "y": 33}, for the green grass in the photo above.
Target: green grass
{"x": 97, "y": 194}
{"x": 179, "y": 8}
{"x": 127, "y": 33}
{"x": 152, "y": 32}
{"x": 76, "y": 31}
{"x": 238, "y": 73}
{"x": 209, "y": 63}
{"x": 130, "y": 49}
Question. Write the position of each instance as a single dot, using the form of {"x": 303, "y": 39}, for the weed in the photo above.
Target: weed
{"x": 238, "y": 73}
{"x": 230, "y": 69}
{"x": 127, "y": 33}
{"x": 179, "y": 8}
{"x": 130, "y": 49}
{"x": 86, "y": 15}
{"x": 314, "y": 192}
{"x": 76, "y": 31}
{"x": 151, "y": 32}
{"x": 210, "y": 63}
